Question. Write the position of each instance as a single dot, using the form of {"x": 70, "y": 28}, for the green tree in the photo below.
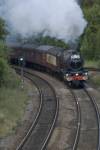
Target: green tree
{"x": 51, "y": 41}
{"x": 90, "y": 43}
{"x": 3, "y": 30}
{"x": 4, "y": 51}
{"x": 4, "y": 67}
{"x": 3, "y": 71}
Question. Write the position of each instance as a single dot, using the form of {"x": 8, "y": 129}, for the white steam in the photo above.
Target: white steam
{"x": 62, "y": 19}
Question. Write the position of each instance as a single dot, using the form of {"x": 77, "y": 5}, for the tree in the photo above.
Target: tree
{"x": 3, "y": 30}
{"x": 3, "y": 71}
{"x": 4, "y": 50}
{"x": 4, "y": 67}
{"x": 90, "y": 43}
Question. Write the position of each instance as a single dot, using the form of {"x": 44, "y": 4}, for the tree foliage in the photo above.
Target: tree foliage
{"x": 4, "y": 67}
{"x": 3, "y": 71}
{"x": 51, "y": 41}
{"x": 90, "y": 43}
{"x": 40, "y": 40}
{"x": 4, "y": 50}
{"x": 3, "y": 31}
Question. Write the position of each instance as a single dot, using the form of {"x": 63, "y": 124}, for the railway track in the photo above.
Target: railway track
{"x": 41, "y": 129}
{"x": 88, "y": 121}
{"x": 87, "y": 135}
{"x": 74, "y": 147}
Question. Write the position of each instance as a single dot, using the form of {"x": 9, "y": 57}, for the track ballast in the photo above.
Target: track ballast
{"x": 41, "y": 129}
{"x": 88, "y": 122}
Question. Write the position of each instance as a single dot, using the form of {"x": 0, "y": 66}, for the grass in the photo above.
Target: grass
{"x": 91, "y": 63}
{"x": 96, "y": 79}
{"x": 12, "y": 106}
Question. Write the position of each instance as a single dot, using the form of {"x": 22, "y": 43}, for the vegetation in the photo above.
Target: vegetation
{"x": 7, "y": 75}
{"x": 40, "y": 40}
{"x": 90, "y": 41}
{"x": 12, "y": 99}
{"x": 12, "y": 106}
{"x": 3, "y": 54}
{"x": 91, "y": 63}
{"x": 96, "y": 79}
{"x": 51, "y": 41}
{"x": 4, "y": 50}
{"x": 3, "y": 31}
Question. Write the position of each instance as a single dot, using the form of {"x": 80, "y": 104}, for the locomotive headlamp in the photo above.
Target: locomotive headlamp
{"x": 86, "y": 73}
{"x": 77, "y": 74}
{"x": 67, "y": 75}
{"x": 21, "y": 59}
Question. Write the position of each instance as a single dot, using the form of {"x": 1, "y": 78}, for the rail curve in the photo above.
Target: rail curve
{"x": 41, "y": 129}
{"x": 85, "y": 119}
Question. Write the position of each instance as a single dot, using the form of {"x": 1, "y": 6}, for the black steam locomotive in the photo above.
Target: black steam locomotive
{"x": 67, "y": 64}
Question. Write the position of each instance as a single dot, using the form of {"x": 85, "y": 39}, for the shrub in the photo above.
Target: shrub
{"x": 3, "y": 71}
{"x": 4, "y": 50}
{"x": 8, "y": 76}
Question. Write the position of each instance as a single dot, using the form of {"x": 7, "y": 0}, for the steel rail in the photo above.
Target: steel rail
{"x": 97, "y": 114}
{"x": 36, "y": 119}
{"x": 56, "y": 113}
{"x": 77, "y": 136}
{"x": 96, "y": 109}
{"x": 74, "y": 147}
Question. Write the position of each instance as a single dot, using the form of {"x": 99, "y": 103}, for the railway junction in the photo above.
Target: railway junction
{"x": 49, "y": 100}
{"x": 71, "y": 122}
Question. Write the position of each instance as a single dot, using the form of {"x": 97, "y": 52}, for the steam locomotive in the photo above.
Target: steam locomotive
{"x": 67, "y": 64}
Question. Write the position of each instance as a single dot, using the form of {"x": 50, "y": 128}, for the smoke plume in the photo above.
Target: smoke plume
{"x": 61, "y": 19}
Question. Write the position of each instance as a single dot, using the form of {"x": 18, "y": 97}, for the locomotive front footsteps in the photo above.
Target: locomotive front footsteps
{"x": 67, "y": 64}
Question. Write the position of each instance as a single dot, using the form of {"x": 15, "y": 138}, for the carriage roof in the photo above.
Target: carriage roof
{"x": 53, "y": 50}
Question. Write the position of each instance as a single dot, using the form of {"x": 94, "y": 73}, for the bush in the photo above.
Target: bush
{"x": 98, "y": 64}
{"x": 4, "y": 50}
{"x": 12, "y": 80}
{"x": 3, "y": 71}
{"x": 8, "y": 77}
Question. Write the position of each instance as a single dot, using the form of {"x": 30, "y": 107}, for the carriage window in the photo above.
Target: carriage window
{"x": 51, "y": 59}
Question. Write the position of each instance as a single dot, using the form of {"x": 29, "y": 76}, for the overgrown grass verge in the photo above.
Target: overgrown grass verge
{"x": 92, "y": 63}
{"x": 13, "y": 102}
{"x": 96, "y": 80}
{"x": 94, "y": 77}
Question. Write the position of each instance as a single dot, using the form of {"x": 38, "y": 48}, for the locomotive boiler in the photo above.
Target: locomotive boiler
{"x": 67, "y": 64}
